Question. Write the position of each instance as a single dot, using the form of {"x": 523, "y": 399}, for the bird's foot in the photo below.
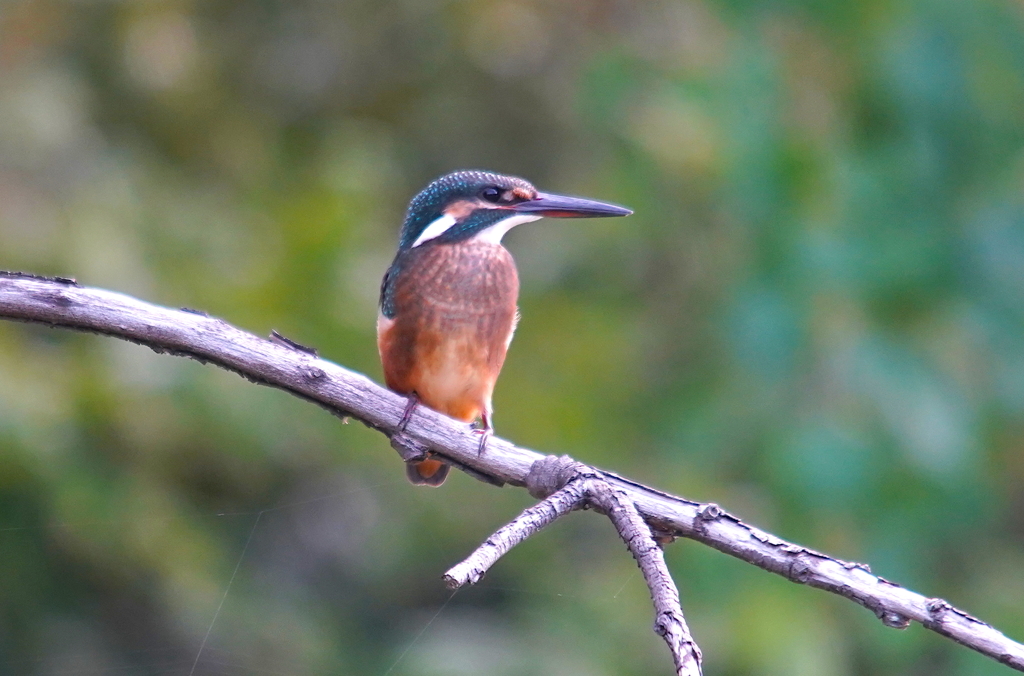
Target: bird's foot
{"x": 410, "y": 406}
{"x": 485, "y": 434}
{"x": 408, "y": 448}
{"x": 485, "y": 431}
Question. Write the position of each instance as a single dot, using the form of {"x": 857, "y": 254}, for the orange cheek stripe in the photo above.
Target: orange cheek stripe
{"x": 460, "y": 209}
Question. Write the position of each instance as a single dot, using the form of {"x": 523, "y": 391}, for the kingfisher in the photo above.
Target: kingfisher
{"x": 448, "y": 301}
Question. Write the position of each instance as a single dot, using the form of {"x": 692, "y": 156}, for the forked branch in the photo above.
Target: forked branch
{"x": 584, "y": 486}
{"x": 62, "y": 303}
{"x": 531, "y": 521}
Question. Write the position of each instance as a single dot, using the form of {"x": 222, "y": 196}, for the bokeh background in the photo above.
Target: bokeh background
{"x": 815, "y": 318}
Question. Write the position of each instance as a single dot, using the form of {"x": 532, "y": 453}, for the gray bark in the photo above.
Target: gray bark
{"x": 62, "y": 303}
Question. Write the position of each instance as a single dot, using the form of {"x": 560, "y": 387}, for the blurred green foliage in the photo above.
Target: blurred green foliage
{"x": 815, "y": 319}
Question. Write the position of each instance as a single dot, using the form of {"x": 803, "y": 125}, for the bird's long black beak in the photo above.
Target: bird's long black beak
{"x": 563, "y": 206}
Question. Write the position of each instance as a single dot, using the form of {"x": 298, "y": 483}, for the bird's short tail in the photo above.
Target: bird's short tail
{"x": 427, "y": 472}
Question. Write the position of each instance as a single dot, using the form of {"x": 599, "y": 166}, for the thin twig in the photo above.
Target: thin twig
{"x": 669, "y": 622}
{"x": 583, "y": 484}
{"x": 60, "y": 302}
{"x": 533, "y": 519}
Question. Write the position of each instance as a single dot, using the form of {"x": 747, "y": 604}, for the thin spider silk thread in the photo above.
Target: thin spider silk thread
{"x": 420, "y": 635}
{"x": 227, "y": 589}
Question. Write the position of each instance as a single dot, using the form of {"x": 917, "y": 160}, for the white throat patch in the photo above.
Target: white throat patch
{"x": 492, "y": 234}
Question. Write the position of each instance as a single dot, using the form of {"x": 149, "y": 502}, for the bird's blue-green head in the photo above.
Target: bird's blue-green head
{"x": 479, "y": 204}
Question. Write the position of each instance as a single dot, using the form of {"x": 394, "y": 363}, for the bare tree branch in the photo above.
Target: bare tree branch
{"x": 669, "y": 622}
{"x": 583, "y": 484}
{"x": 532, "y": 520}
{"x": 58, "y": 302}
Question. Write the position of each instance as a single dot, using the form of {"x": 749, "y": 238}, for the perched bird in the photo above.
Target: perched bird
{"x": 448, "y": 301}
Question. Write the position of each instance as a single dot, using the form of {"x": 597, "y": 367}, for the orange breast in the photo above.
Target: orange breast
{"x": 455, "y": 311}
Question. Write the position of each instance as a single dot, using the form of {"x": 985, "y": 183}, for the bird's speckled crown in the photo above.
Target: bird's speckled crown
{"x": 427, "y": 206}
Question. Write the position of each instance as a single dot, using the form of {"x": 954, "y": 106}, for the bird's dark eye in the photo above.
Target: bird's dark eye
{"x": 492, "y": 195}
